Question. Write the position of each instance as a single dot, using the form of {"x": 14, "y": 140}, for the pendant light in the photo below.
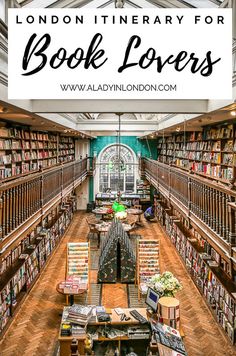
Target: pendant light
{"x": 119, "y": 160}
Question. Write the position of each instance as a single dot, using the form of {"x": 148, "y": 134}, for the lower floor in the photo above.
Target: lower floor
{"x": 35, "y": 328}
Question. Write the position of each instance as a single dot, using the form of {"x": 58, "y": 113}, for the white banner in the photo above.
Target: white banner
{"x": 120, "y": 54}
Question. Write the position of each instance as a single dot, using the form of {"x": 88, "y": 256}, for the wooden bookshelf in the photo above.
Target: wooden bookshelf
{"x": 66, "y": 149}
{"x": 210, "y": 153}
{"x": 208, "y": 269}
{"x": 143, "y": 190}
{"x": 23, "y": 151}
{"x": 21, "y": 267}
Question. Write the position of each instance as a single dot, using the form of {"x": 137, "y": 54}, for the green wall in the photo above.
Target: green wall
{"x": 97, "y": 145}
{"x": 133, "y": 142}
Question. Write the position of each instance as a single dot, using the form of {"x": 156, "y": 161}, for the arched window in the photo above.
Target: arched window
{"x": 114, "y": 173}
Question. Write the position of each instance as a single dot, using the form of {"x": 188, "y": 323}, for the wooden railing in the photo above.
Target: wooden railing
{"x": 210, "y": 204}
{"x": 23, "y": 197}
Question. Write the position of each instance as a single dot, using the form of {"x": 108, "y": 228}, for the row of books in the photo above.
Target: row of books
{"x": 201, "y": 266}
{"x": 47, "y": 162}
{"x": 66, "y": 152}
{"x": 19, "y": 133}
{"x": 225, "y": 132}
{"x": 78, "y": 260}
{"x": 187, "y": 137}
{"x": 33, "y": 252}
{"x": 66, "y": 145}
{"x": 215, "y": 171}
{"x": 35, "y": 145}
{"x": 148, "y": 260}
{"x": 215, "y": 146}
{"x": 66, "y": 139}
{"x": 11, "y": 144}
{"x": 66, "y": 157}
{"x": 14, "y": 170}
{"x": 10, "y": 158}
{"x": 228, "y": 159}
{"x": 15, "y": 157}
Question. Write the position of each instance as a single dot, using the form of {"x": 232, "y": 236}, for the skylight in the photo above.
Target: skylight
{"x": 128, "y": 3}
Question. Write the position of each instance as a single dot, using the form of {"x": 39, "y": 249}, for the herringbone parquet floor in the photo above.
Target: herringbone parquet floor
{"x": 35, "y": 329}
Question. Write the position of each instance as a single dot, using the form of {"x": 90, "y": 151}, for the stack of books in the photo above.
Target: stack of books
{"x": 79, "y": 314}
{"x": 73, "y": 284}
{"x": 78, "y": 331}
{"x": 65, "y": 329}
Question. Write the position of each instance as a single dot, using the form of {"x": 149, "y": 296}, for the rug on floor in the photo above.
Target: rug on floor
{"x": 132, "y": 294}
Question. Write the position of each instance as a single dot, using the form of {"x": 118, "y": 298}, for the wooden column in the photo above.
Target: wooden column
{"x": 14, "y": 208}
{"x": 224, "y": 216}
{"x": 7, "y": 211}
{"x": 227, "y": 217}
{"x": 213, "y": 210}
{"x": 189, "y": 195}
{"x": 232, "y": 226}
{"x": 210, "y": 208}
{"x": 220, "y": 214}
{"x": 216, "y": 211}
{"x": 1, "y": 215}
{"x": 204, "y": 203}
{"x": 10, "y": 208}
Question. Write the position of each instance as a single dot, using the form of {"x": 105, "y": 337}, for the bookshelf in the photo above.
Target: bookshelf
{"x": 143, "y": 190}
{"x": 210, "y": 153}
{"x": 23, "y": 151}
{"x": 78, "y": 261}
{"x": 66, "y": 149}
{"x": 20, "y": 268}
{"x": 208, "y": 269}
{"x": 147, "y": 262}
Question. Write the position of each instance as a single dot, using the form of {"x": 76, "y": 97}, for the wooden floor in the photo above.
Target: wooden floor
{"x": 35, "y": 329}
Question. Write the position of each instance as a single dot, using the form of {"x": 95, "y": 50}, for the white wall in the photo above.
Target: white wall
{"x": 82, "y": 147}
{"x": 82, "y": 194}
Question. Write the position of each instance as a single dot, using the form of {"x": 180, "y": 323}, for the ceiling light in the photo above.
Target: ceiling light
{"x": 233, "y": 113}
{"x": 178, "y": 128}
{"x": 119, "y": 4}
{"x": 65, "y": 130}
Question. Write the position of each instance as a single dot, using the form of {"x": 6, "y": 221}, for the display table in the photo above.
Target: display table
{"x": 65, "y": 341}
{"x": 138, "y": 213}
{"x": 104, "y": 227}
{"x": 70, "y": 293}
{"x": 103, "y": 212}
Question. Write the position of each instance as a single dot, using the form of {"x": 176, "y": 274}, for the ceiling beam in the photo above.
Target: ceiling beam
{"x": 129, "y": 126}
{"x": 126, "y": 106}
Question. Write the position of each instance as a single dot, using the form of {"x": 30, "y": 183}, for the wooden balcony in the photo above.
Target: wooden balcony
{"x": 209, "y": 206}
{"x": 25, "y": 200}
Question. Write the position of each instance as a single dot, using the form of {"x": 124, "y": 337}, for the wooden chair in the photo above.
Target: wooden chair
{"x": 93, "y": 230}
{"x": 133, "y": 226}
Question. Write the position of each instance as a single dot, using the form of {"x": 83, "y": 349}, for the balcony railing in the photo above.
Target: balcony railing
{"x": 209, "y": 204}
{"x": 21, "y": 198}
